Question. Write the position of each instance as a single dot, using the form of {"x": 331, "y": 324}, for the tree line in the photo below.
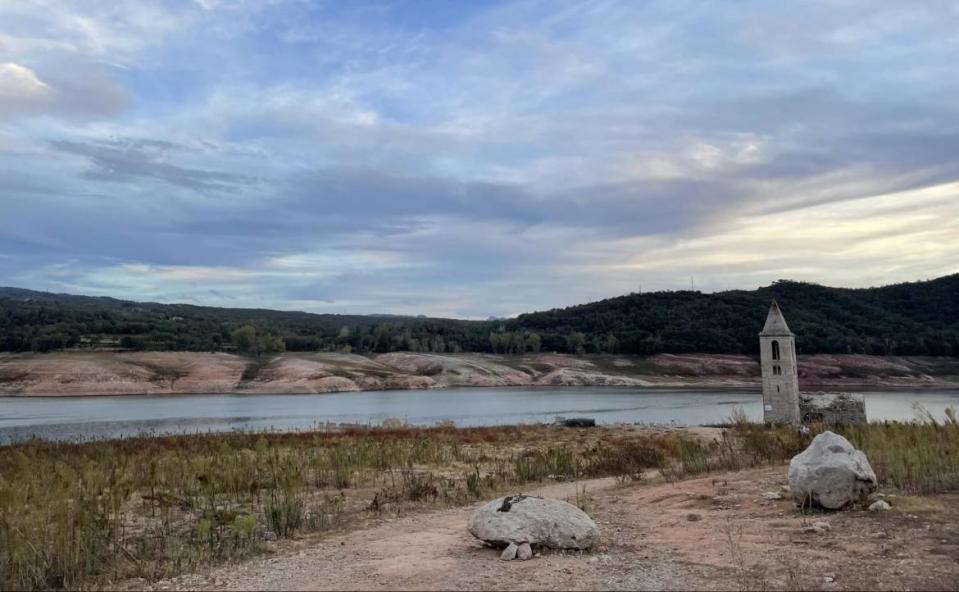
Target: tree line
{"x": 918, "y": 318}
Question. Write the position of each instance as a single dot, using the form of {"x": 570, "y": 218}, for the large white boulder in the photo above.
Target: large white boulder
{"x": 538, "y": 521}
{"x": 830, "y": 473}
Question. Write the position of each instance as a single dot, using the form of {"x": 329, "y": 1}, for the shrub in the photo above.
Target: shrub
{"x": 284, "y": 516}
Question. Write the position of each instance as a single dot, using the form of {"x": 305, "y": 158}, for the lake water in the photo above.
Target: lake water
{"x": 117, "y": 416}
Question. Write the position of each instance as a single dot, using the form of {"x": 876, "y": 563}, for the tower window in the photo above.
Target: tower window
{"x": 775, "y": 350}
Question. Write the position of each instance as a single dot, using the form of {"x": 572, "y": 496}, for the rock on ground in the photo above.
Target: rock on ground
{"x": 830, "y": 473}
{"x": 534, "y": 520}
{"x": 524, "y": 552}
{"x": 880, "y": 506}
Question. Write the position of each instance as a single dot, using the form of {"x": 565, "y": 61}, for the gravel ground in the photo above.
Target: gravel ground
{"x": 711, "y": 533}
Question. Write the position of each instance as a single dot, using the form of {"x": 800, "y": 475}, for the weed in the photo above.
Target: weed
{"x": 284, "y": 516}
{"x": 583, "y": 501}
{"x": 474, "y": 483}
{"x": 85, "y": 514}
{"x": 536, "y": 465}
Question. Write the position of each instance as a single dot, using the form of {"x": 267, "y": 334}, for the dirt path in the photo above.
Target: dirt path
{"x": 715, "y": 532}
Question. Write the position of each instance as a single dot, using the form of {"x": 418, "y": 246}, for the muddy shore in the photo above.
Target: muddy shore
{"x": 112, "y": 373}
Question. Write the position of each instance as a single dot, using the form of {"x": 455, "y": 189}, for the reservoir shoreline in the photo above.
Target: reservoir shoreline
{"x": 69, "y": 374}
{"x": 80, "y": 418}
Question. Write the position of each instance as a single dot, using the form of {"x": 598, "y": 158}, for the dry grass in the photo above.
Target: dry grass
{"x": 74, "y": 515}
{"x": 80, "y": 515}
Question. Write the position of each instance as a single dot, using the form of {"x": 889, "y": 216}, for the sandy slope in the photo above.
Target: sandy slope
{"x": 738, "y": 540}
{"x": 76, "y": 373}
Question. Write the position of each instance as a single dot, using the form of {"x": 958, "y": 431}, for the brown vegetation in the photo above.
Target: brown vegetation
{"x": 76, "y": 514}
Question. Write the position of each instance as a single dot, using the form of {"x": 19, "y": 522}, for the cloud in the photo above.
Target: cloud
{"x": 20, "y": 87}
{"x": 120, "y": 161}
{"x": 23, "y": 93}
{"x": 472, "y": 160}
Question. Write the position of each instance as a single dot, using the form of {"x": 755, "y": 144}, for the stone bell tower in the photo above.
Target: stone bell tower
{"x": 777, "y": 346}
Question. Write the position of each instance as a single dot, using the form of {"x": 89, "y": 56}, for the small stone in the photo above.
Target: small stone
{"x": 693, "y": 517}
{"x": 509, "y": 553}
{"x": 816, "y": 528}
{"x": 880, "y": 506}
{"x": 829, "y": 579}
{"x": 772, "y": 495}
{"x": 524, "y": 552}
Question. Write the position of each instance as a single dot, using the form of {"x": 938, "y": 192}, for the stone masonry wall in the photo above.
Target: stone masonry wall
{"x": 835, "y": 408}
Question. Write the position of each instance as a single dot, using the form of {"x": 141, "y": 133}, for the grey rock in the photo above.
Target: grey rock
{"x": 525, "y": 552}
{"x": 772, "y": 495}
{"x": 880, "y": 506}
{"x": 816, "y": 528}
{"x": 534, "y": 520}
{"x": 830, "y": 473}
{"x": 579, "y": 422}
{"x": 509, "y": 553}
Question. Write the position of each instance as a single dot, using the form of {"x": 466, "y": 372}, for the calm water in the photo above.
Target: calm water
{"x": 98, "y": 417}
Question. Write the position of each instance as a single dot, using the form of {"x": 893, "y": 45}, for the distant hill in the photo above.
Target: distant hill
{"x": 920, "y": 318}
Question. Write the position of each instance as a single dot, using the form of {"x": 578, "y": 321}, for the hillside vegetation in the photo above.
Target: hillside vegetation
{"x": 918, "y": 318}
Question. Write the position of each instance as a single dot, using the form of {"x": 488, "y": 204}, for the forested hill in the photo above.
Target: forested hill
{"x": 920, "y": 318}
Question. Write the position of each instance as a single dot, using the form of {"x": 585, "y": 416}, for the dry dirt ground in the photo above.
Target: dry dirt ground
{"x": 102, "y": 373}
{"x": 709, "y": 533}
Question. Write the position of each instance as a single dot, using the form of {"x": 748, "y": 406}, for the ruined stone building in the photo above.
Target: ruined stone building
{"x": 777, "y": 346}
{"x": 782, "y": 401}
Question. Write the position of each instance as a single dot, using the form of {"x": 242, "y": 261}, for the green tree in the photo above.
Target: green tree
{"x": 244, "y": 338}
{"x": 610, "y": 344}
{"x": 575, "y": 342}
{"x": 270, "y": 344}
{"x": 534, "y": 342}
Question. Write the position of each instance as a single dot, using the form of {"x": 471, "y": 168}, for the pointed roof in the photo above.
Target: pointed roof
{"x": 775, "y": 322}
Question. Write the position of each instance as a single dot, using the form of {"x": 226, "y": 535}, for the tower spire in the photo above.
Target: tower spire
{"x": 776, "y": 322}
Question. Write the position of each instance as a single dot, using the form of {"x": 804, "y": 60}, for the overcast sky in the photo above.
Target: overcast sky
{"x": 468, "y": 159}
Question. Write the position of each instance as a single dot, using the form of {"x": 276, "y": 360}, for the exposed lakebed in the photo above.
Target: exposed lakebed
{"x": 109, "y": 417}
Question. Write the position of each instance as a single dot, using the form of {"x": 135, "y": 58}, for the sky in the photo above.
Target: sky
{"x": 473, "y": 159}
